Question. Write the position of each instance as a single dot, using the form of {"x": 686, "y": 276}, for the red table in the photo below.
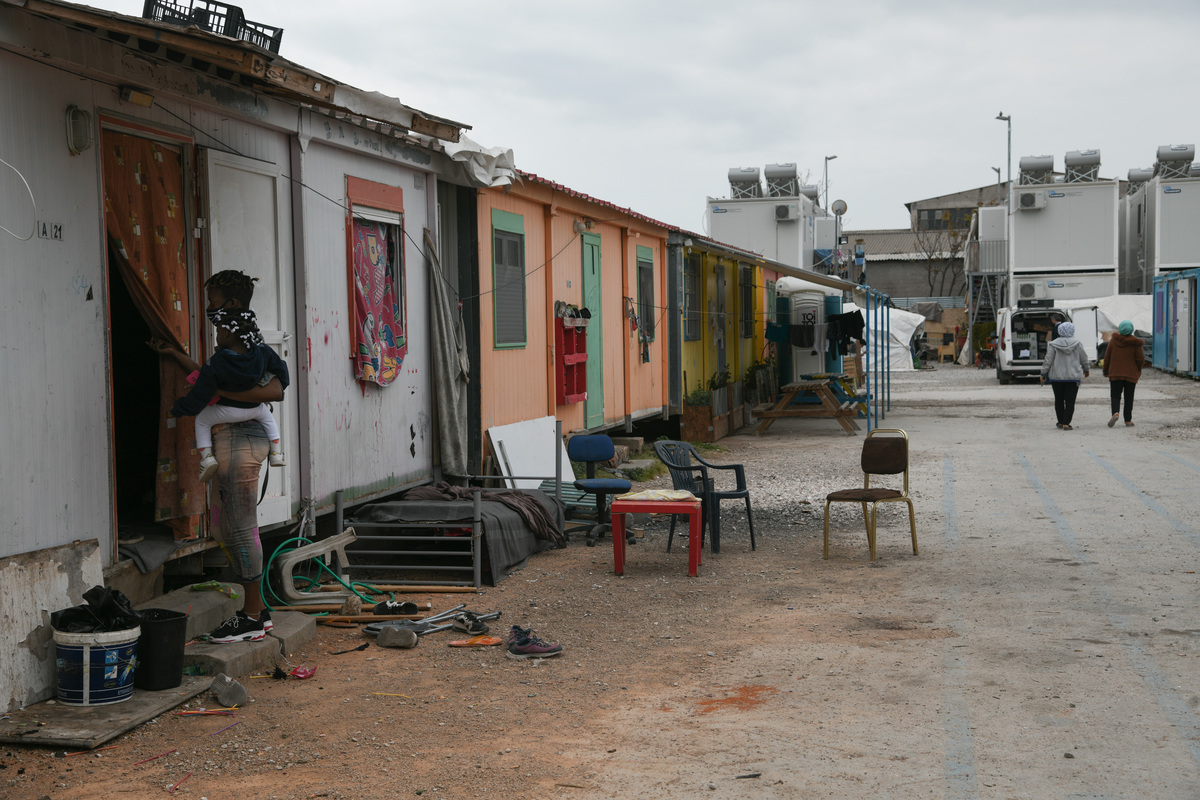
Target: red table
{"x": 691, "y": 508}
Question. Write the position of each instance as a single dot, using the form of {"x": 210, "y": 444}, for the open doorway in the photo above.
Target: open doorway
{"x": 135, "y": 388}
{"x": 149, "y": 250}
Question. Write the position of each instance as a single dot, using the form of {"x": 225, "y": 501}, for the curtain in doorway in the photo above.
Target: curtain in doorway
{"x": 144, "y": 220}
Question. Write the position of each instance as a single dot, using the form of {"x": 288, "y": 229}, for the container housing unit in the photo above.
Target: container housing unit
{"x": 1161, "y": 210}
{"x": 1063, "y": 241}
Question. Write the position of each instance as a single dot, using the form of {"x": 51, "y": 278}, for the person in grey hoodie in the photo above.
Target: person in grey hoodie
{"x": 1065, "y": 366}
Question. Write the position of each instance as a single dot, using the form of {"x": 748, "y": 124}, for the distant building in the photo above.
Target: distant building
{"x": 925, "y": 259}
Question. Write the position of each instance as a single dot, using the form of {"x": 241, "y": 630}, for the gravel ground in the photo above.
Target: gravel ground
{"x": 1035, "y": 623}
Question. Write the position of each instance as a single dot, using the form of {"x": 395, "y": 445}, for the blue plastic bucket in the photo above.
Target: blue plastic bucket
{"x": 96, "y": 668}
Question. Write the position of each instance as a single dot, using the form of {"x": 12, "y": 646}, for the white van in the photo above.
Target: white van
{"x": 1022, "y": 335}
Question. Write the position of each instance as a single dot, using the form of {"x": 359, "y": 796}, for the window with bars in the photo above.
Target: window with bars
{"x": 645, "y": 292}
{"x": 691, "y": 298}
{"x": 746, "y": 277}
{"x": 508, "y": 279}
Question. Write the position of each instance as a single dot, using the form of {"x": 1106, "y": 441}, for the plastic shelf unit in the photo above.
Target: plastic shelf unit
{"x": 570, "y": 345}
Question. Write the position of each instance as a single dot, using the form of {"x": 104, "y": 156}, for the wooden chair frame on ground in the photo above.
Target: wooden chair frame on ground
{"x": 885, "y": 452}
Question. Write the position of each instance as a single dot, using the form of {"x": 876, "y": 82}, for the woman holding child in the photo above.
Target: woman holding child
{"x": 238, "y": 447}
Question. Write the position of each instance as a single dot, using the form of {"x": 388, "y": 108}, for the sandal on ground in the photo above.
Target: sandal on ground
{"x": 1113, "y": 420}
{"x": 477, "y": 641}
{"x": 1129, "y": 424}
{"x": 1067, "y": 428}
{"x": 1058, "y": 425}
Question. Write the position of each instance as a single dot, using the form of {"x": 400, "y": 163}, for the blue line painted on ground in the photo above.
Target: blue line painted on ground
{"x": 1150, "y": 502}
{"x": 956, "y": 714}
{"x": 1179, "y": 460}
{"x": 1174, "y": 707}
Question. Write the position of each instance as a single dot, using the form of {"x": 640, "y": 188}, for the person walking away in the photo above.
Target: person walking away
{"x": 1066, "y": 364}
{"x": 1123, "y": 362}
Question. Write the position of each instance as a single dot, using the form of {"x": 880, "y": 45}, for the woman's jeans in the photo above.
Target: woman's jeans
{"x": 239, "y": 449}
{"x": 1115, "y": 389}
{"x": 1064, "y": 400}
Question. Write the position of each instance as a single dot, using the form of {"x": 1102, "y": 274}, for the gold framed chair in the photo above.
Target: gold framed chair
{"x": 885, "y": 452}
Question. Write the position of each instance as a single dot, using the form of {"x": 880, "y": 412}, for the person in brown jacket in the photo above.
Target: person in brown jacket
{"x": 1123, "y": 362}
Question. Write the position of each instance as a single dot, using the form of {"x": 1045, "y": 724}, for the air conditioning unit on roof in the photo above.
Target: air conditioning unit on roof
{"x": 1030, "y": 200}
{"x": 786, "y": 212}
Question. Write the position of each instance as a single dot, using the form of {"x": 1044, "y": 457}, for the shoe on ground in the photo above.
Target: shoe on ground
{"x": 208, "y": 468}
{"x": 264, "y": 617}
{"x": 276, "y": 460}
{"x": 238, "y": 628}
{"x": 517, "y": 632}
{"x": 397, "y": 608}
{"x": 470, "y": 624}
{"x": 1113, "y": 420}
{"x": 532, "y": 647}
{"x": 1129, "y": 424}
{"x": 396, "y": 637}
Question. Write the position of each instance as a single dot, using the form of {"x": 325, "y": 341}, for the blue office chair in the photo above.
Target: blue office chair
{"x": 591, "y": 450}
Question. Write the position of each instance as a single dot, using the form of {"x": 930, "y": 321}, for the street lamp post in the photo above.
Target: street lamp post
{"x": 1007, "y": 118}
{"x": 825, "y": 180}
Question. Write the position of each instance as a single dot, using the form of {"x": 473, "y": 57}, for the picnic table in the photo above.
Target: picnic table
{"x": 823, "y": 396}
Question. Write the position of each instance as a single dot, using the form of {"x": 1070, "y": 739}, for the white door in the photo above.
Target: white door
{"x": 249, "y": 229}
{"x": 1185, "y": 289}
{"x": 1086, "y": 330}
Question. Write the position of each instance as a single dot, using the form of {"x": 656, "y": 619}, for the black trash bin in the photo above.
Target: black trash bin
{"x": 160, "y": 649}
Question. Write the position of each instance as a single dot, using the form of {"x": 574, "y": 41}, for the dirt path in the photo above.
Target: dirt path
{"x": 1042, "y": 645}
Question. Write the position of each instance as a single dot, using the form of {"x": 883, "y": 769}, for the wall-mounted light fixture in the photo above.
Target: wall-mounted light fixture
{"x": 136, "y": 97}
{"x": 80, "y": 135}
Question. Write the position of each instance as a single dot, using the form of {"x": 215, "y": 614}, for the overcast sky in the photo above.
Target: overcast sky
{"x": 648, "y": 103}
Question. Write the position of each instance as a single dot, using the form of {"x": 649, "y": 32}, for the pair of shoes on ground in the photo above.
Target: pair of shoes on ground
{"x": 522, "y": 643}
{"x": 243, "y": 628}
{"x": 1113, "y": 420}
{"x": 1063, "y": 427}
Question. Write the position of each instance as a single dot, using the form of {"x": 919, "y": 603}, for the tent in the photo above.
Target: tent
{"x": 903, "y": 326}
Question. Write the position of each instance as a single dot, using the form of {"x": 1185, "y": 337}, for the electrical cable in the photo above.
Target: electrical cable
{"x": 32, "y": 201}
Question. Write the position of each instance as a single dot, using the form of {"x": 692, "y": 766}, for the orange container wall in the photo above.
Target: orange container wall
{"x": 518, "y": 384}
{"x": 512, "y": 379}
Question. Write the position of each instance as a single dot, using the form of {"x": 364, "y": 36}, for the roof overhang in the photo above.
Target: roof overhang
{"x": 261, "y": 69}
{"x": 679, "y": 237}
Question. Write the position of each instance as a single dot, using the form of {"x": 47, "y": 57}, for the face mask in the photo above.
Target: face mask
{"x": 211, "y": 313}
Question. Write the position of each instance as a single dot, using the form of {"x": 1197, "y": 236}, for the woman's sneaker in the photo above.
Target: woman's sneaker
{"x": 531, "y": 646}
{"x": 208, "y": 468}
{"x": 240, "y": 628}
{"x": 470, "y": 623}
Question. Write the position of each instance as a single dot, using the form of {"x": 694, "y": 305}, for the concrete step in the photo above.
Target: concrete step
{"x": 208, "y": 609}
{"x": 292, "y": 629}
{"x": 205, "y": 609}
{"x": 637, "y": 463}
{"x": 633, "y": 443}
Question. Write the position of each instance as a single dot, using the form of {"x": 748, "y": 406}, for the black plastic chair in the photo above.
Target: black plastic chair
{"x": 591, "y": 450}
{"x": 695, "y": 478}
